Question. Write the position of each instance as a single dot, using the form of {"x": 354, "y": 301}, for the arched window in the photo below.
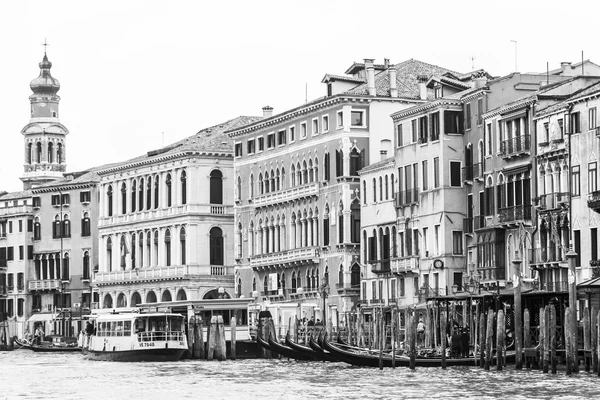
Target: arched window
{"x": 86, "y": 265}
{"x": 59, "y": 153}
{"x": 183, "y": 187}
{"x": 182, "y": 245}
{"x": 304, "y": 172}
{"x": 38, "y": 152}
{"x": 108, "y": 301}
{"x": 293, "y": 175}
{"x": 239, "y": 241}
{"x": 181, "y": 295}
{"x": 341, "y": 223}
{"x": 50, "y": 152}
{"x": 37, "y": 229}
{"x": 380, "y": 189}
{"x": 316, "y": 168}
{"x": 251, "y": 188}
{"x": 121, "y": 301}
{"x": 56, "y": 227}
{"x": 251, "y": 246}
{"x": 141, "y": 249}
{"x": 166, "y": 296}
{"x": 239, "y": 287}
{"x": 266, "y": 284}
{"x": 341, "y": 276}
{"x": 392, "y": 182}
{"x": 294, "y": 282}
{"x": 260, "y": 184}
{"x": 155, "y": 240}
{"x": 283, "y": 185}
{"x": 135, "y": 299}
{"x": 109, "y": 254}
{"x": 29, "y": 155}
{"x": 364, "y": 193}
{"x": 299, "y": 281}
{"x": 169, "y": 190}
{"x": 356, "y": 161}
{"x": 254, "y": 284}
{"x": 216, "y": 246}
{"x": 123, "y": 198}
{"x": 326, "y": 226}
{"x": 124, "y": 251}
{"x": 109, "y": 200}
{"x": 308, "y": 282}
{"x": 133, "y": 244}
{"x": 387, "y": 188}
{"x": 238, "y": 189}
{"x": 149, "y": 194}
{"x": 66, "y": 274}
{"x": 168, "y": 247}
{"x": 272, "y": 181}
{"x": 216, "y": 187}
{"x": 156, "y": 196}
{"x": 149, "y": 248}
{"x": 141, "y": 195}
{"x": 374, "y": 190}
{"x": 311, "y": 172}
{"x": 299, "y": 180}
{"x": 133, "y": 194}
{"x": 66, "y": 227}
{"x": 355, "y": 276}
{"x": 151, "y": 297}
{"x": 277, "y": 180}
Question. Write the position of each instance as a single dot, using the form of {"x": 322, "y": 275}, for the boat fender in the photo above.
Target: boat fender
{"x": 166, "y": 345}
{"x": 114, "y": 348}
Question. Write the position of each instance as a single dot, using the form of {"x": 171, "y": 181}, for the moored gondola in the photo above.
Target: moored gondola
{"x": 322, "y": 353}
{"x": 288, "y": 352}
{"x": 307, "y": 351}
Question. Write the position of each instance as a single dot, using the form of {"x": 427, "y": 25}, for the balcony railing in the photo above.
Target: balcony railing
{"x": 558, "y": 286}
{"x": 380, "y": 266}
{"x": 515, "y": 213}
{"x": 405, "y": 264}
{"x": 492, "y": 274}
{"x": 305, "y": 254}
{"x": 552, "y": 201}
{"x": 467, "y": 173}
{"x": 293, "y": 193}
{"x": 478, "y": 171}
{"x": 479, "y": 222}
{"x": 594, "y": 200}
{"x": 407, "y": 197}
{"x": 145, "y": 215}
{"x": 515, "y": 146}
{"x": 15, "y": 210}
{"x": 165, "y": 273}
{"x": 540, "y": 255}
{"x": 44, "y": 284}
{"x": 468, "y": 225}
{"x": 347, "y": 288}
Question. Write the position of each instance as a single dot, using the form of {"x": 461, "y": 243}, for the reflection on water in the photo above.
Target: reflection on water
{"x": 24, "y": 374}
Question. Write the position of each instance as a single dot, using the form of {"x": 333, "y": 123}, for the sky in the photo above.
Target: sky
{"x": 136, "y": 75}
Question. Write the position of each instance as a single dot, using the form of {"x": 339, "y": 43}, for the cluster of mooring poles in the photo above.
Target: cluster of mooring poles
{"x": 215, "y": 347}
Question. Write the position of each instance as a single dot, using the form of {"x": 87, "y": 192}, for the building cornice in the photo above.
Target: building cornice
{"x": 425, "y": 107}
{"x": 508, "y": 108}
{"x": 66, "y": 186}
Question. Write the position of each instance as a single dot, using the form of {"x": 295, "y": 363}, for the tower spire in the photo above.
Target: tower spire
{"x": 45, "y": 44}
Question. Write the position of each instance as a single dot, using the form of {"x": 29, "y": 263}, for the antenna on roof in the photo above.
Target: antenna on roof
{"x": 472, "y": 63}
{"x": 581, "y": 62}
{"x": 306, "y": 92}
{"x": 547, "y": 73}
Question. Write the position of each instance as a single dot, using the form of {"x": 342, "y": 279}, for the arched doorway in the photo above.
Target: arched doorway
{"x": 121, "y": 301}
{"x": 108, "y": 301}
{"x": 135, "y": 299}
{"x": 151, "y": 297}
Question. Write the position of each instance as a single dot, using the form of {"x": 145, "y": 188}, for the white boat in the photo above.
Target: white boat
{"x": 134, "y": 335}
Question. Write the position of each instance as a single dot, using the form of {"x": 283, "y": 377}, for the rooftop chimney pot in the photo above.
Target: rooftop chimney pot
{"x": 370, "y": 74}
{"x": 267, "y": 111}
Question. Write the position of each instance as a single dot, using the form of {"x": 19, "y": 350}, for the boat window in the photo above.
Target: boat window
{"x": 113, "y": 328}
{"x": 119, "y": 328}
{"x": 127, "y": 328}
{"x": 241, "y": 317}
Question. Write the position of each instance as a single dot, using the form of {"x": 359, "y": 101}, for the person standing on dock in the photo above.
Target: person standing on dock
{"x": 420, "y": 332}
{"x": 464, "y": 343}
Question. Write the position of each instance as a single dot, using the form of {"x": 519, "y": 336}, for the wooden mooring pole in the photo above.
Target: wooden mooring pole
{"x": 499, "y": 339}
{"x": 443, "y": 339}
{"x": 594, "y": 339}
{"x": 553, "y": 338}
{"x": 489, "y": 339}
{"x": 233, "y": 344}
{"x": 190, "y": 336}
{"x": 482, "y": 339}
{"x": 568, "y": 340}
{"x": 586, "y": 338}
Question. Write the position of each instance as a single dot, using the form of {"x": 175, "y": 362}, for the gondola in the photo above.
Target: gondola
{"x": 322, "y": 353}
{"x": 288, "y": 352}
{"x": 306, "y": 351}
{"x": 58, "y": 345}
{"x": 364, "y": 358}
{"x": 262, "y": 343}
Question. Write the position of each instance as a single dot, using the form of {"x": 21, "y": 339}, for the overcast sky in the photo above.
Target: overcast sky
{"x": 131, "y": 70}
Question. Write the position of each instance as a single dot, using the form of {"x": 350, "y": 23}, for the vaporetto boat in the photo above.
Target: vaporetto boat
{"x": 134, "y": 335}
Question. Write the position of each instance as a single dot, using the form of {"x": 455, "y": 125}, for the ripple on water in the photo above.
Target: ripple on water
{"x": 24, "y": 374}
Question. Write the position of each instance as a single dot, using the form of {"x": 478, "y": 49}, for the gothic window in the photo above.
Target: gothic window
{"x": 109, "y": 253}
{"x": 141, "y": 195}
{"x": 341, "y": 224}
{"x": 183, "y": 187}
{"x": 50, "y": 152}
{"x": 56, "y": 227}
{"x": 169, "y": 190}
{"x": 239, "y": 241}
{"x": 123, "y": 198}
{"x": 37, "y": 229}
{"x": 355, "y": 276}
{"x": 66, "y": 275}
{"x": 155, "y": 240}
{"x": 66, "y": 227}
{"x": 168, "y": 247}
{"x": 109, "y": 198}
{"x": 266, "y": 284}
{"x": 149, "y": 248}
{"x": 59, "y": 153}
{"x": 141, "y": 248}
{"x": 293, "y": 175}
{"x": 341, "y": 276}
{"x": 216, "y": 187}
{"x": 251, "y": 188}
{"x": 182, "y": 245}
{"x": 216, "y": 246}
{"x": 356, "y": 161}
{"x": 238, "y": 189}
{"x": 149, "y": 194}
{"x": 133, "y": 195}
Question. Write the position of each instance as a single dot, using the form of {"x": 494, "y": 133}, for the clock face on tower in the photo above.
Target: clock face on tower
{"x": 438, "y": 264}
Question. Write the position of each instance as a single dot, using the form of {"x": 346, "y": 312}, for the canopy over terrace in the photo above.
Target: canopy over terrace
{"x": 590, "y": 291}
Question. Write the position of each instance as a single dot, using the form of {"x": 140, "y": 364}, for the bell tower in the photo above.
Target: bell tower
{"x": 44, "y": 135}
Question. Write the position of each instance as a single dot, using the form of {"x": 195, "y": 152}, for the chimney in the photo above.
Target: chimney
{"x": 370, "y": 73}
{"x": 393, "y": 83}
{"x": 267, "y": 111}
{"x": 422, "y": 79}
{"x": 383, "y": 153}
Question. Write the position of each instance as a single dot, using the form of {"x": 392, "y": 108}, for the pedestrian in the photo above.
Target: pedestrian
{"x": 455, "y": 344}
{"x": 420, "y": 332}
{"x": 464, "y": 343}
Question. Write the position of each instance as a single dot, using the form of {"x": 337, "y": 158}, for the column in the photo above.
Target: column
{"x": 101, "y": 204}
{"x": 271, "y": 239}
{"x": 101, "y": 256}
{"x": 346, "y": 214}
{"x": 316, "y": 231}
{"x": 116, "y": 252}
{"x": 264, "y": 240}
{"x": 282, "y": 239}
{"x": 277, "y": 238}
{"x": 302, "y": 232}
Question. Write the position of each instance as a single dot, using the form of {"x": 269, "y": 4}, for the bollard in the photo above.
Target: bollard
{"x": 413, "y": 341}
{"x": 499, "y": 339}
{"x": 553, "y": 338}
{"x": 489, "y": 339}
{"x": 233, "y": 339}
{"x": 393, "y": 338}
{"x": 212, "y": 338}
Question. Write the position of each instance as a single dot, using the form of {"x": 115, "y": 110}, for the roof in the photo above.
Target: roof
{"x": 407, "y": 74}
{"x": 208, "y": 140}
{"x": 345, "y": 78}
{"x": 511, "y": 106}
{"x": 388, "y": 161}
{"x": 590, "y": 90}
{"x": 15, "y": 195}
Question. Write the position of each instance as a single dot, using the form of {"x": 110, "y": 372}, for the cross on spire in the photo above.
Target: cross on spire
{"x": 45, "y": 44}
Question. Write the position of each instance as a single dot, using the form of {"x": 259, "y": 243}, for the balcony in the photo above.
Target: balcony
{"x": 405, "y": 265}
{"x": 286, "y": 258}
{"x": 44, "y": 284}
{"x": 174, "y": 272}
{"x": 492, "y": 274}
{"x": 479, "y": 222}
{"x": 407, "y": 197}
{"x": 467, "y": 173}
{"x": 148, "y": 215}
{"x": 478, "y": 171}
{"x": 15, "y": 210}
{"x": 553, "y": 287}
{"x": 287, "y": 195}
{"x": 546, "y": 255}
{"x": 468, "y": 225}
{"x": 380, "y": 266}
{"x": 594, "y": 200}
{"x": 347, "y": 289}
{"x": 512, "y": 215}
{"x": 552, "y": 201}
{"x": 515, "y": 146}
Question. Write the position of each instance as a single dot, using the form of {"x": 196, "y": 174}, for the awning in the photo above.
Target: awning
{"x": 41, "y": 317}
